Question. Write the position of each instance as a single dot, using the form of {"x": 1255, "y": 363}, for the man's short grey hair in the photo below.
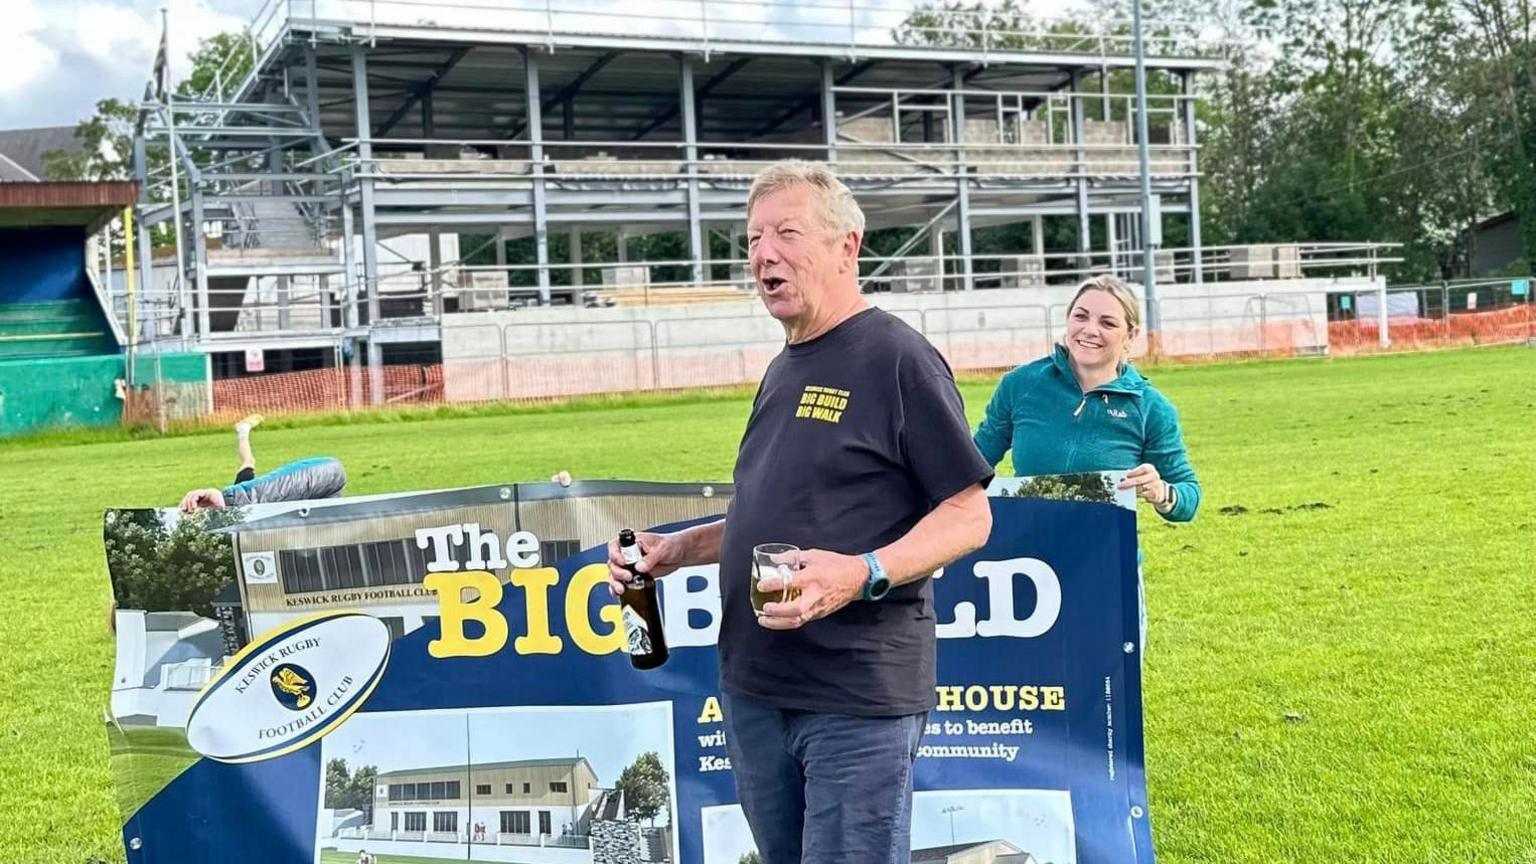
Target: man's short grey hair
{"x": 834, "y": 202}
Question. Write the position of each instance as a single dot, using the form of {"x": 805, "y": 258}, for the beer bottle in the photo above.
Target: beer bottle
{"x": 641, "y": 610}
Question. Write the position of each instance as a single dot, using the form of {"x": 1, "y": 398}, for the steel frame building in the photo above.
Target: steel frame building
{"x": 366, "y": 120}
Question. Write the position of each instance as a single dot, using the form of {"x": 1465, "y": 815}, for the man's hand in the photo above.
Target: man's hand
{"x": 198, "y": 499}
{"x": 827, "y": 581}
{"x": 563, "y": 478}
{"x": 660, "y": 554}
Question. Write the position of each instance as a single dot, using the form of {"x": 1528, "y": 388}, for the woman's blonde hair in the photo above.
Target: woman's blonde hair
{"x": 1112, "y": 286}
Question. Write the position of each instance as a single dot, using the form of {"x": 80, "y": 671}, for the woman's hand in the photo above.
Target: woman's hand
{"x": 1149, "y": 485}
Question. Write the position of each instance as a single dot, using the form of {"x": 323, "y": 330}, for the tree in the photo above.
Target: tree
{"x": 364, "y": 779}
{"x": 106, "y": 146}
{"x": 1087, "y": 486}
{"x": 645, "y": 787}
{"x": 338, "y": 784}
{"x": 750, "y": 858}
{"x": 346, "y": 790}
{"x": 1483, "y": 54}
{"x": 106, "y": 137}
{"x": 221, "y": 60}
{"x": 179, "y": 569}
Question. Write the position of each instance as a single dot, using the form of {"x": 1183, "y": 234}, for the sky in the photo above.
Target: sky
{"x": 59, "y": 57}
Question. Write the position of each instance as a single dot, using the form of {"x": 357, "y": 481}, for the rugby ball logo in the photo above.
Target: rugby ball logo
{"x": 290, "y": 687}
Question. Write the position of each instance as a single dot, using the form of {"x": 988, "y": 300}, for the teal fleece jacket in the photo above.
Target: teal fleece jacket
{"x": 1041, "y": 413}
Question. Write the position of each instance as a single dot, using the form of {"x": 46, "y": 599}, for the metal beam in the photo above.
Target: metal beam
{"x": 638, "y": 40}
{"x": 369, "y": 223}
{"x": 1084, "y": 226}
{"x": 911, "y": 241}
{"x": 195, "y": 133}
{"x": 493, "y": 218}
{"x": 811, "y": 98}
{"x": 421, "y": 91}
{"x": 1194, "y": 178}
{"x": 962, "y": 185}
{"x": 829, "y": 110}
{"x": 536, "y": 157}
{"x": 568, "y": 92}
{"x": 685, "y": 102}
{"x": 715, "y": 81}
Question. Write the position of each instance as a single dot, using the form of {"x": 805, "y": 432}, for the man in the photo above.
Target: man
{"x": 858, "y": 452}
{"x": 304, "y": 480}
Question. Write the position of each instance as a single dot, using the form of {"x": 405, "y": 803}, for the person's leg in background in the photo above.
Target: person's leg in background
{"x": 243, "y": 447}
{"x": 769, "y": 782}
{"x": 858, "y": 786}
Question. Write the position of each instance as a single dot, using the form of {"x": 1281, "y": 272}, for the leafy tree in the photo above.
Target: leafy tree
{"x": 645, "y": 787}
{"x": 106, "y": 146}
{"x": 222, "y": 59}
{"x": 750, "y": 858}
{"x": 1087, "y": 486}
{"x": 338, "y": 784}
{"x": 106, "y": 137}
{"x": 178, "y": 569}
{"x": 347, "y": 790}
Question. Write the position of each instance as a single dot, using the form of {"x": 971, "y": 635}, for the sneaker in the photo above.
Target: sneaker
{"x": 250, "y": 422}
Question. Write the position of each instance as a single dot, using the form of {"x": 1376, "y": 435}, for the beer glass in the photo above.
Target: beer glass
{"x": 778, "y": 559}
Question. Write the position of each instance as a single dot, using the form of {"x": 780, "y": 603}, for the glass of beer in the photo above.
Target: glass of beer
{"x": 777, "y": 559}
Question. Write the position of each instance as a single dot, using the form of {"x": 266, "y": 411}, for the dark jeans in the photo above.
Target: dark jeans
{"x": 823, "y": 788}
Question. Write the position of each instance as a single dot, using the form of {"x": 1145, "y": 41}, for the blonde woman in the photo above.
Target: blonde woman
{"x": 1086, "y": 408}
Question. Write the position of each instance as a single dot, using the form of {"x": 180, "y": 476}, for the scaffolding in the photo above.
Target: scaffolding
{"x": 363, "y": 122}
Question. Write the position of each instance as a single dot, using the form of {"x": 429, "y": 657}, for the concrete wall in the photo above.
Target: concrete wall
{"x": 562, "y": 351}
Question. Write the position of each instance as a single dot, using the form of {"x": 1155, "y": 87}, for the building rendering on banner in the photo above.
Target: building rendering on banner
{"x": 990, "y": 852}
{"x": 328, "y": 189}
{"x": 522, "y": 801}
{"x": 529, "y": 810}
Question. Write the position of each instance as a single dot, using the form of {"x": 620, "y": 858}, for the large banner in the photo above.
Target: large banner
{"x": 441, "y": 677}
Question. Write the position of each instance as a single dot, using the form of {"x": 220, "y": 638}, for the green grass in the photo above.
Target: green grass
{"x": 144, "y": 759}
{"x": 1349, "y": 683}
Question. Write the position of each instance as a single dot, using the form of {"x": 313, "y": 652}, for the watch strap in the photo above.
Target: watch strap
{"x": 878, "y": 584}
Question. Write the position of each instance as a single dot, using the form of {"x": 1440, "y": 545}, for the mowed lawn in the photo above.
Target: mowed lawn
{"x": 1342, "y": 665}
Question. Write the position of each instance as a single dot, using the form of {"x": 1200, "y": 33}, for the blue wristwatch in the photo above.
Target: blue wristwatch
{"x": 879, "y": 584}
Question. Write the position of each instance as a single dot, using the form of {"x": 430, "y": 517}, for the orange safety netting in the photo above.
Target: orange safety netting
{"x": 1511, "y": 324}
{"x": 544, "y": 377}
{"x": 326, "y": 390}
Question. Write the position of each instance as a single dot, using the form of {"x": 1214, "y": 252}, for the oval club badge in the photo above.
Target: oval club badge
{"x": 290, "y": 687}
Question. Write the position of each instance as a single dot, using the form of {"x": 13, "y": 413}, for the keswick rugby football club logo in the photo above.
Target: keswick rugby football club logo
{"x": 290, "y": 687}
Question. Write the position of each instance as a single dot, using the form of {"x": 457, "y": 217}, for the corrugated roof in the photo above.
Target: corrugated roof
{"x": 563, "y": 762}
{"x": 25, "y": 148}
{"x": 10, "y": 172}
{"x": 943, "y": 853}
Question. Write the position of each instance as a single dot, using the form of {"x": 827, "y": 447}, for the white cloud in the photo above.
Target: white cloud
{"x": 110, "y": 33}
{"x": 58, "y": 58}
{"x": 24, "y": 56}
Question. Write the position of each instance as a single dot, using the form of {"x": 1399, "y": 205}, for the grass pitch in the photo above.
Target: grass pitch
{"x": 1342, "y": 645}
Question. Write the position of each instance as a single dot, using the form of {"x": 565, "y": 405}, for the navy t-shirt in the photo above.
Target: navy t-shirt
{"x": 854, "y": 437}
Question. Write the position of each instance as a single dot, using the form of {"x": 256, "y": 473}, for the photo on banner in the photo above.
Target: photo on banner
{"x": 1095, "y": 486}
{"x": 1026, "y": 826}
{"x": 497, "y": 784}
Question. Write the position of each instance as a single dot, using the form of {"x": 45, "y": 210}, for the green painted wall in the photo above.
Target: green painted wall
{"x": 62, "y": 392}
